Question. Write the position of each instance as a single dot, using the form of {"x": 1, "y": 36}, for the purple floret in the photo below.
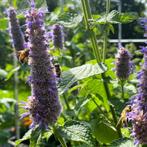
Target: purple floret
{"x": 138, "y": 114}
{"x": 16, "y": 34}
{"x": 123, "y": 64}
{"x": 57, "y": 36}
{"x": 43, "y": 106}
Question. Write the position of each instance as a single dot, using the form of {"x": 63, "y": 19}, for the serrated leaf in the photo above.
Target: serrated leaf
{"x": 68, "y": 78}
{"x": 104, "y": 132}
{"x": 108, "y": 18}
{"x": 25, "y": 137}
{"x": 73, "y": 23}
{"x": 115, "y": 17}
{"x": 125, "y": 142}
{"x": 78, "y": 132}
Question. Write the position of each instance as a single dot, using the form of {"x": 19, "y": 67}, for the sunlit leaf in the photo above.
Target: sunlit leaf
{"x": 47, "y": 134}
{"x": 115, "y": 17}
{"x": 68, "y": 78}
{"x": 104, "y": 132}
{"x": 72, "y": 23}
{"x": 7, "y": 102}
{"x": 3, "y": 23}
{"x": 3, "y": 73}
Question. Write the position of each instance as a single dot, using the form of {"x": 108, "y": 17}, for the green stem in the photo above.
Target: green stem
{"x": 106, "y": 87}
{"x": 115, "y": 120}
{"x": 122, "y": 90}
{"x": 108, "y": 3}
{"x": 105, "y": 45}
{"x": 16, "y": 81}
{"x": 66, "y": 102}
{"x": 87, "y": 16}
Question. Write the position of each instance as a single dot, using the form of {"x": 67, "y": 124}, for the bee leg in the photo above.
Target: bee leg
{"x": 126, "y": 123}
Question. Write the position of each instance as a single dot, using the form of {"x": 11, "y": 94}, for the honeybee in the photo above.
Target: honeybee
{"x": 26, "y": 121}
{"x": 123, "y": 118}
{"x": 57, "y": 70}
{"x": 22, "y": 55}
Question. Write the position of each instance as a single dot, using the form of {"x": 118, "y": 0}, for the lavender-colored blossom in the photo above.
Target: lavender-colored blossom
{"x": 123, "y": 64}
{"x": 143, "y": 22}
{"x": 57, "y": 36}
{"x": 43, "y": 105}
{"x": 138, "y": 114}
{"x": 17, "y": 36}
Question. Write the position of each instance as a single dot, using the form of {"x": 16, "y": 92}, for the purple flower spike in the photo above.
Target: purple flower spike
{"x": 138, "y": 114}
{"x": 143, "y": 22}
{"x": 123, "y": 64}
{"x": 43, "y": 105}
{"x": 17, "y": 36}
{"x": 58, "y": 36}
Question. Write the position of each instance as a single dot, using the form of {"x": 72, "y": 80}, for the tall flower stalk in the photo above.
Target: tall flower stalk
{"x": 18, "y": 44}
{"x": 123, "y": 66}
{"x": 15, "y": 31}
{"x": 43, "y": 105}
{"x": 58, "y": 36}
{"x": 138, "y": 114}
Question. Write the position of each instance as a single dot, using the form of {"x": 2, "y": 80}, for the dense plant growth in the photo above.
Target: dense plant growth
{"x": 63, "y": 83}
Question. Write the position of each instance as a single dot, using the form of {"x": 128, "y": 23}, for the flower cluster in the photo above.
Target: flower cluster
{"x": 58, "y": 36}
{"x": 43, "y": 106}
{"x": 143, "y": 22}
{"x": 138, "y": 114}
{"x": 123, "y": 64}
{"x": 17, "y": 36}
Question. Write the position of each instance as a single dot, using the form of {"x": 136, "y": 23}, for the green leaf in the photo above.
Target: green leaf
{"x": 68, "y": 78}
{"x": 4, "y": 136}
{"x": 47, "y": 135}
{"x": 125, "y": 142}
{"x": 3, "y": 23}
{"x": 115, "y": 17}
{"x": 40, "y": 141}
{"x": 108, "y": 18}
{"x": 104, "y": 132}
{"x": 7, "y": 102}
{"x": 73, "y": 23}
{"x": 97, "y": 89}
{"x": 127, "y": 17}
{"x": 10, "y": 74}
{"x": 36, "y": 137}
{"x": 78, "y": 132}
{"x": 3, "y": 73}
{"x": 25, "y": 137}
{"x": 59, "y": 137}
